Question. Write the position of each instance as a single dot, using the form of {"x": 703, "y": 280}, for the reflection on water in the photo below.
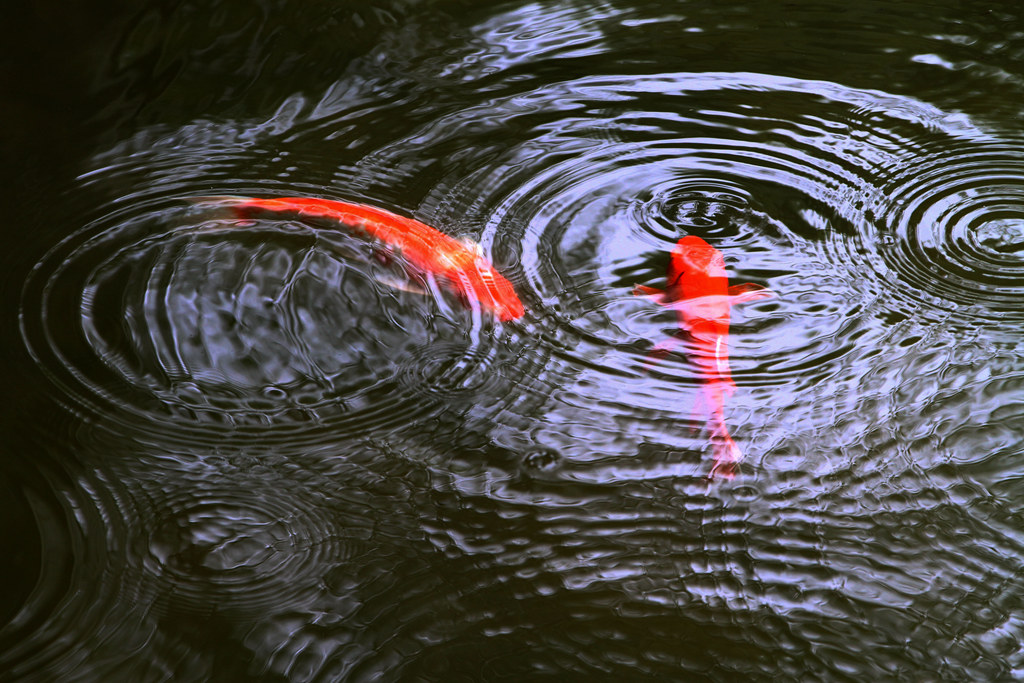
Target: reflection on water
{"x": 219, "y": 322}
{"x": 247, "y": 454}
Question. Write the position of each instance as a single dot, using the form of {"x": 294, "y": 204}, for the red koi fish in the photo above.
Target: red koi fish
{"x": 460, "y": 266}
{"x": 698, "y": 290}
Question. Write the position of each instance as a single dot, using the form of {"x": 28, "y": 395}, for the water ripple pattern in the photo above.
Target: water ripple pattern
{"x": 954, "y": 229}
{"x": 190, "y": 320}
{"x": 271, "y": 462}
{"x": 158, "y": 554}
{"x": 614, "y": 170}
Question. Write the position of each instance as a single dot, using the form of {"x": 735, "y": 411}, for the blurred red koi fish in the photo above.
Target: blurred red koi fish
{"x": 461, "y": 266}
{"x": 698, "y": 290}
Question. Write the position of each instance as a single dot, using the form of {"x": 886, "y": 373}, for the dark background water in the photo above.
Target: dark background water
{"x": 231, "y": 453}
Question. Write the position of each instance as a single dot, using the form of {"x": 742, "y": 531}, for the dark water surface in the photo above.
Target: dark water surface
{"x": 232, "y": 451}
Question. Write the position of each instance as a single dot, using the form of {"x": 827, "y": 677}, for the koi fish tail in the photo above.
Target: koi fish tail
{"x": 727, "y": 457}
{"x": 726, "y": 452}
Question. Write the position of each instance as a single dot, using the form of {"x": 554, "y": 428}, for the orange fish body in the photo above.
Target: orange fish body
{"x": 459, "y": 265}
{"x": 698, "y": 290}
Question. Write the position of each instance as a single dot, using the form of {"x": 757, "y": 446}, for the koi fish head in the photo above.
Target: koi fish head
{"x": 694, "y": 257}
{"x": 481, "y": 283}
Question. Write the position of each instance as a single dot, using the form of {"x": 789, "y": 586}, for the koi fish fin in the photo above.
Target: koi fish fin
{"x": 661, "y": 350}
{"x": 666, "y": 346}
{"x": 400, "y": 285}
{"x": 727, "y": 453}
{"x": 471, "y": 246}
{"x": 748, "y": 292}
{"x": 727, "y": 458}
{"x": 727, "y": 461}
{"x": 215, "y": 199}
{"x": 219, "y": 201}
{"x": 224, "y": 205}
{"x": 655, "y": 295}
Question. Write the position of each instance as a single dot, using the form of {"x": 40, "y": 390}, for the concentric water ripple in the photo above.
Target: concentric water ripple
{"x": 954, "y": 230}
{"x": 844, "y": 533}
{"x": 608, "y": 172}
{"x": 211, "y": 541}
{"x": 81, "y": 528}
{"x": 545, "y": 509}
{"x": 190, "y": 320}
{"x": 245, "y": 538}
{"x": 636, "y": 162}
{"x": 216, "y": 552}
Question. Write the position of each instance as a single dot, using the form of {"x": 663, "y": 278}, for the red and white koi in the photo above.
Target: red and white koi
{"x": 698, "y": 290}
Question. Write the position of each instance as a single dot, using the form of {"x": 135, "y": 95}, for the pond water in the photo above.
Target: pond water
{"x": 236, "y": 450}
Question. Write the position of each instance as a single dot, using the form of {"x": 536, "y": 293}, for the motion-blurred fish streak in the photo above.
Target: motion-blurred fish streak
{"x": 460, "y": 265}
{"x": 698, "y": 290}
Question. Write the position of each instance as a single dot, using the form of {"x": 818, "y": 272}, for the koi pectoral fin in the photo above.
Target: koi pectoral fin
{"x": 748, "y": 292}
{"x": 666, "y": 346}
{"x": 660, "y": 351}
{"x": 655, "y": 295}
{"x": 401, "y": 285}
{"x": 224, "y": 205}
{"x": 215, "y": 200}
